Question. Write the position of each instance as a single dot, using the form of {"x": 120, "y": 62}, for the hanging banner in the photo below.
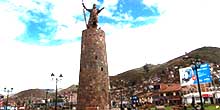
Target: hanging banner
{"x": 188, "y": 75}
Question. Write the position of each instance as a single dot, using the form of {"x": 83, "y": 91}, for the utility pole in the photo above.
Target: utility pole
{"x": 195, "y": 67}
{"x": 7, "y": 91}
{"x": 56, "y": 80}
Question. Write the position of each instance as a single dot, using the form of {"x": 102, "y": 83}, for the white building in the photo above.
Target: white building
{"x": 208, "y": 97}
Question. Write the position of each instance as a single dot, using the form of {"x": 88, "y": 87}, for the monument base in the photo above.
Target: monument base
{"x": 93, "y": 91}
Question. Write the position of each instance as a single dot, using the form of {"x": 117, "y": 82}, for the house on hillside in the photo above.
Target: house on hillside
{"x": 171, "y": 94}
{"x": 167, "y": 94}
{"x": 162, "y": 94}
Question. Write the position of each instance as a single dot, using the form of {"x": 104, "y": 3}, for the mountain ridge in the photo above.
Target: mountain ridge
{"x": 159, "y": 73}
{"x": 206, "y": 54}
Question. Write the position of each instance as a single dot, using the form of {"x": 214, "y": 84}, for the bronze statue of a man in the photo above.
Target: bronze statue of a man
{"x": 93, "y": 19}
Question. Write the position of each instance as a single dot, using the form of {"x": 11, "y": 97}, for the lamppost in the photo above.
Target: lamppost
{"x": 192, "y": 94}
{"x": 215, "y": 87}
{"x": 46, "y": 99}
{"x": 71, "y": 100}
{"x": 121, "y": 98}
{"x": 56, "y": 80}
{"x": 196, "y": 65}
{"x": 121, "y": 94}
{"x": 7, "y": 91}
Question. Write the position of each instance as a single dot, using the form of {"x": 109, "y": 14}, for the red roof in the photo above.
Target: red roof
{"x": 170, "y": 87}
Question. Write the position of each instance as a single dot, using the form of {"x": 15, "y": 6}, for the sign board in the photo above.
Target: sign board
{"x": 204, "y": 74}
{"x": 188, "y": 75}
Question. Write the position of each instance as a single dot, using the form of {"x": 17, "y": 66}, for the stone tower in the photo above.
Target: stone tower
{"x": 93, "y": 91}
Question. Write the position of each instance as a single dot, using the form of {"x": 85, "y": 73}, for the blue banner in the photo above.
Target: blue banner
{"x": 188, "y": 75}
{"x": 204, "y": 74}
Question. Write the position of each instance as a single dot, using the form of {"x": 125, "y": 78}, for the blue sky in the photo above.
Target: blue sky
{"x": 39, "y": 37}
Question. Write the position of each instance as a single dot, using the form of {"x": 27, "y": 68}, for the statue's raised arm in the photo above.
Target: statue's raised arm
{"x": 85, "y": 7}
{"x": 100, "y": 10}
{"x": 93, "y": 19}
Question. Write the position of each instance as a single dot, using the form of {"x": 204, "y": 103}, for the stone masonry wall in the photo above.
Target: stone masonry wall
{"x": 93, "y": 92}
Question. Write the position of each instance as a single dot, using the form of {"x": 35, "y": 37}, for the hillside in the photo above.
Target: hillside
{"x": 135, "y": 78}
{"x": 72, "y": 88}
{"x": 28, "y": 96}
{"x": 38, "y": 94}
{"x": 167, "y": 72}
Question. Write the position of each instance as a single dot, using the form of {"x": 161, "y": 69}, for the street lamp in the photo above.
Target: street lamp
{"x": 71, "y": 100}
{"x": 56, "y": 80}
{"x": 121, "y": 98}
{"x": 46, "y": 99}
{"x": 196, "y": 65}
{"x": 7, "y": 91}
{"x": 215, "y": 87}
{"x": 121, "y": 94}
{"x": 193, "y": 98}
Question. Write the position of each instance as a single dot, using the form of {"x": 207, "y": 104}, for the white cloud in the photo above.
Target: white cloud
{"x": 26, "y": 67}
{"x": 110, "y": 7}
{"x": 185, "y": 25}
{"x": 111, "y": 4}
{"x": 123, "y": 17}
{"x": 71, "y": 31}
{"x": 64, "y": 11}
{"x": 9, "y": 25}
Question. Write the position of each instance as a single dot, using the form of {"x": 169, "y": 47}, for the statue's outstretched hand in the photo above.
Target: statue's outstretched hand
{"x": 83, "y": 5}
{"x": 102, "y": 8}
